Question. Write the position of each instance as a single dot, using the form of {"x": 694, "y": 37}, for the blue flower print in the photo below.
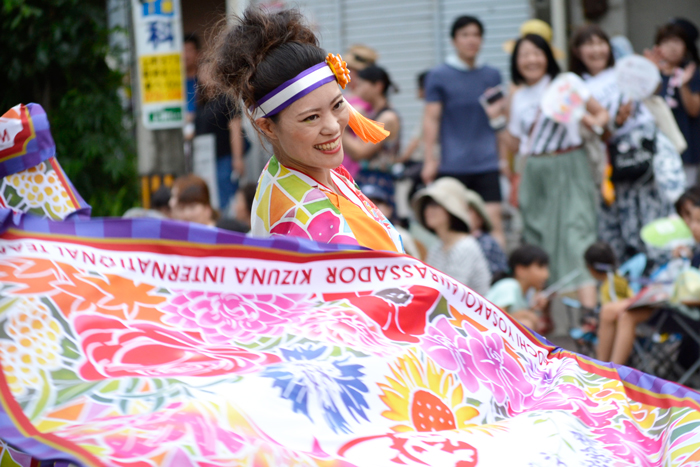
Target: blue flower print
{"x": 308, "y": 375}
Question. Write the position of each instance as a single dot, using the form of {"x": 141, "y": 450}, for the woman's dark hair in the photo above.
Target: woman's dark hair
{"x": 192, "y": 189}
{"x": 193, "y": 39}
{"x": 259, "y": 52}
{"x": 600, "y": 257}
{"x": 691, "y": 195}
{"x": 377, "y": 74}
{"x": 160, "y": 198}
{"x": 580, "y": 37}
{"x": 683, "y": 30}
{"x": 464, "y": 21}
{"x": 552, "y": 66}
{"x": 421, "y": 79}
{"x": 455, "y": 224}
{"x": 248, "y": 192}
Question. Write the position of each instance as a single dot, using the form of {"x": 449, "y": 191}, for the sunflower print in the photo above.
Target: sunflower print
{"x": 424, "y": 397}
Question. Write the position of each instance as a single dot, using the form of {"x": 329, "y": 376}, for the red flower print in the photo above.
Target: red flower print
{"x": 112, "y": 350}
{"x": 400, "y": 312}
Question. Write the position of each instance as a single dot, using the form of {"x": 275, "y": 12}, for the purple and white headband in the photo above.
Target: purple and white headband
{"x": 286, "y": 93}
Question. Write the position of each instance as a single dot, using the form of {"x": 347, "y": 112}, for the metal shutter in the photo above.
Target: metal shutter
{"x": 402, "y": 33}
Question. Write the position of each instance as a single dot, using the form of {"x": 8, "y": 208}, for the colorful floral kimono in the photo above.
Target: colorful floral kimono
{"x": 289, "y": 202}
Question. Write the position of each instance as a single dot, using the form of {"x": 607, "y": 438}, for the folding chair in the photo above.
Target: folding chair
{"x": 585, "y": 341}
{"x": 682, "y": 326}
{"x": 656, "y": 348}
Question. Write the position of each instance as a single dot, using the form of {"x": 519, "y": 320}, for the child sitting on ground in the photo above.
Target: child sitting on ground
{"x": 617, "y": 325}
{"x": 529, "y": 268}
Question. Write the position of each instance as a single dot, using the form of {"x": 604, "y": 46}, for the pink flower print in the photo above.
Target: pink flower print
{"x": 449, "y": 350}
{"x": 630, "y": 445}
{"x": 141, "y": 436}
{"x": 323, "y": 228}
{"x": 498, "y": 370}
{"x": 289, "y": 228}
{"x": 344, "y": 327}
{"x": 225, "y": 318}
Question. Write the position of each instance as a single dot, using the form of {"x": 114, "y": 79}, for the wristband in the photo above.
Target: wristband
{"x": 498, "y": 123}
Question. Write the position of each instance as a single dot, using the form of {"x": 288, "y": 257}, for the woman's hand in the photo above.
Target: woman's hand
{"x": 623, "y": 113}
{"x": 596, "y": 117}
{"x": 430, "y": 170}
{"x": 682, "y": 251}
{"x": 238, "y": 165}
{"x": 654, "y": 54}
{"x": 688, "y": 73}
{"x": 540, "y": 301}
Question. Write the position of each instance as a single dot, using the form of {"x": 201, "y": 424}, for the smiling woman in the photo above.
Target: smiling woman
{"x": 292, "y": 90}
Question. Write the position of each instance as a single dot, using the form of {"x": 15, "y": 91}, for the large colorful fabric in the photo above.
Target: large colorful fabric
{"x": 125, "y": 351}
{"x": 32, "y": 179}
{"x": 290, "y": 203}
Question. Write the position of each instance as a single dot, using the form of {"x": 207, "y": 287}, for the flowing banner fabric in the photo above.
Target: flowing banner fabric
{"x": 194, "y": 347}
{"x": 32, "y": 179}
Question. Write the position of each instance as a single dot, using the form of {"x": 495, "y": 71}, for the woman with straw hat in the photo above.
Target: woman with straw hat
{"x": 442, "y": 208}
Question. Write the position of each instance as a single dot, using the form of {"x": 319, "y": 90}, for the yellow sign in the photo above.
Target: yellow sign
{"x": 161, "y": 78}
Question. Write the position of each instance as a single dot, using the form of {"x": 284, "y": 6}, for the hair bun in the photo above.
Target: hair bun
{"x": 240, "y": 50}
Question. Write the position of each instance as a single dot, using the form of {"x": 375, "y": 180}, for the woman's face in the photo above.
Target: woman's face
{"x": 594, "y": 53}
{"x": 694, "y": 223}
{"x": 532, "y": 62}
{"x": 673, "y": 50}
{"x": 192, "y": 212}
{"x": 307, "y": 135}
{"x": 240, "y": 208}
{"x": 686, "y": 211}
{"x": 367, "y": 90}
{"x": 353, "y": 79}
{"x": 477, "y": 222}
{"x": 436, "y": 217}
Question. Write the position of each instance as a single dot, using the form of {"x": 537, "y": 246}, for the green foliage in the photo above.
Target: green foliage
{"x": 53, "y": 52}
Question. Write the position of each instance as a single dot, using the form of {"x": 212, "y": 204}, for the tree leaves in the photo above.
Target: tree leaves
{"x": 53, "y": 52}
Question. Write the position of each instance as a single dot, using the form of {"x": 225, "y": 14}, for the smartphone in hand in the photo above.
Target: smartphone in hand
{"x": 491, "y": 96}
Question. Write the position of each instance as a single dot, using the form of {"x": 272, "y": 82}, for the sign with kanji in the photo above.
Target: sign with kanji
{"x": 158, "y": 34}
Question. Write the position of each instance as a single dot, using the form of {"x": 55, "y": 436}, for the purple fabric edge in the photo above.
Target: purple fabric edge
{"x": 45, "y": 145}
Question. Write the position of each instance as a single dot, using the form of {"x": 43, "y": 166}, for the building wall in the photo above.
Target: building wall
{"x": 199, "y": 16}
{"x": 644, "y": 16}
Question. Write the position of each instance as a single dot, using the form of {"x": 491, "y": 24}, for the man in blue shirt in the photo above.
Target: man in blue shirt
{"x": 465, "y": 122}
{"x": 191, "y": 58}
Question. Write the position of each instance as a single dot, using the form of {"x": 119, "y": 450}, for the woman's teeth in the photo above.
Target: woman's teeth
{"x": 328, "y": 146}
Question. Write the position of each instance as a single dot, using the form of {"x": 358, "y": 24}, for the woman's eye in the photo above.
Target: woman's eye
{"x": 311, "y": 118}
{"x": 339, "y": 104}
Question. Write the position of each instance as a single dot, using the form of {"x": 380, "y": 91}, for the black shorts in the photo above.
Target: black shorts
{"x": 487, "y": 184}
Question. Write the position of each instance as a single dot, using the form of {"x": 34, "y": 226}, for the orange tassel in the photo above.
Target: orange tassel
{"x": 367, "y": 130}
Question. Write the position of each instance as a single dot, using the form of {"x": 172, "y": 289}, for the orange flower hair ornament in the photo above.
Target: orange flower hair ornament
{"x": 333, "y": 68}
